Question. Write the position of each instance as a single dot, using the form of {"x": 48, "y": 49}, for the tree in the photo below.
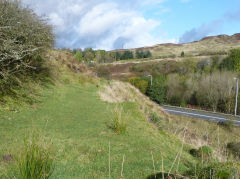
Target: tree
{"x": 88, "y": 54}
{"x": 232, "y": 62}
{"x": 143, "y": 54}
{"x": 100, "y": 56}
{"x": 127, "y": 55}
{"x": 24, "y": 38}
{"x": 79, "y": 56}
{"x": 157, "y": 91}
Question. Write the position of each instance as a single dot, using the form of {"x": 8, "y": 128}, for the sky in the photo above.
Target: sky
{"x": 116, "y": 24}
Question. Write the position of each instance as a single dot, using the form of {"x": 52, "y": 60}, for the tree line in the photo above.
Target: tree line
{"x": 101, "y": 56}
{"x": 207, "y": 84}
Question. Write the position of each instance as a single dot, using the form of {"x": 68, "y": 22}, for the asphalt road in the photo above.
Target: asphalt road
{"x": 200, "y": 114}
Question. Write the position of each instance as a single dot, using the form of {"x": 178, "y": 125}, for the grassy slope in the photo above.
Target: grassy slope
{"x": 76, "y": 119}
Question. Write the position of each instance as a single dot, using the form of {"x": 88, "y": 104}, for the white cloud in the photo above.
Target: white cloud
{"x": 103, "y": 24}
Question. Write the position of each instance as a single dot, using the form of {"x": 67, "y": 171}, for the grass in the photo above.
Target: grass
{"x": 36, "y": 161}
{"x": 75, "y": 118}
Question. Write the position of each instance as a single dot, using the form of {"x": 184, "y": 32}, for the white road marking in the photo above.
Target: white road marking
{"x": 200, "y": 115}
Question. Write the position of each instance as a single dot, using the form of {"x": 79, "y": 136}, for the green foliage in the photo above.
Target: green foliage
{"x": 214, "y": 170}
{"x": 119, "y": 121}
{"x": 24, "y": 40}
{"x": 182, "y": 54}
{"x": 36, "y": 161}
{"x": 157, "y": 91}
{"x": 177, "y": 100}
{"x": 205, "y": 153}
{"x": 140, "y": 83}
{"x": 234, "y": 148}
{"x": 127, "y": 55}
{"x": 232, "y": 62}
{"x": 118, "y": 56}
{"x": 79, "y": 56}
{"x": 227, "y": 63}
{"x": 143, "y": 54}
{"x": 154, "y": 117}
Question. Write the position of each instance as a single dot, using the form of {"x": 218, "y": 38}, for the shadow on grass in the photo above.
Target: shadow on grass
{"x": 166, "y": 176}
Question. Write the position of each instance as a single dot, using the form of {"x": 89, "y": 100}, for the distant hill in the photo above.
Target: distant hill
{"x": 212, "y": 45}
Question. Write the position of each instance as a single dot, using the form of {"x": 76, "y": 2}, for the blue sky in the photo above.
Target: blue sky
{"x": 112, "y": 24}
{"x": 184, "y": 16}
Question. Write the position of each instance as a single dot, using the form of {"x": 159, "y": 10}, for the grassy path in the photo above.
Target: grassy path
{"x": 76, "y": 120}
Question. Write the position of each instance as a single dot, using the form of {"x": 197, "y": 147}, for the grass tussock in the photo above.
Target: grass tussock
{"x": 36, "y": 160}
{"x": 119, "y": 121}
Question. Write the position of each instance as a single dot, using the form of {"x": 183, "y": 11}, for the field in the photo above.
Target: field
{"x": 74, "y": 117}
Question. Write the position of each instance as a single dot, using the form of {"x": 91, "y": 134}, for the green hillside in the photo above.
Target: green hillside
{"x": 76, "y": 119}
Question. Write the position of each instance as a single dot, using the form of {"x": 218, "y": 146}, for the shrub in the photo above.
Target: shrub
{"x": 234, "y": 148}
{"x": 140, "y": 83}
{"x": 214, "y": 170}
{"x": 182, "y": 54}
{"x": 24, "y": 37}
{"x": 103, "y": 72}
{"x": 157, "y": 91}
{"x": 232, "y": 62}
{"x": 143, "y": 54}
{"x": 193, "y": 152}
{"x": 36, "y": 161}
{"x": 227, "y": 124}
{"x": 119, "y": 121}
{"x": 79, "y": 56}
{"x": 205, "y": 153}
{"x": 127, "y": 55}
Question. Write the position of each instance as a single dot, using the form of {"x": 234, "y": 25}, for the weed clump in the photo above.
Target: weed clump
{"x": 204, "y": 153}
{"x": 155, "y": 119}
{"x": 227, "y": 124}
{"x": 214, "y": 170}
{"x": 36, "y": 161}
{"x": 119, "y": 120}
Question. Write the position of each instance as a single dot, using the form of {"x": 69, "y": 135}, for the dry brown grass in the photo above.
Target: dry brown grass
{"x": 117, "y": 92}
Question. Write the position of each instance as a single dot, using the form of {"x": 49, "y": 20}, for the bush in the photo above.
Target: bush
{"x": 24, "y": 37}
{"x": 205, "y": 153}
{"x": 232, "y": 62}
{"x": 182, "y": 54}
{"x": 103, "y": 72}
{"x": 214, "y": 170}
{"x": 234, "y": 148}
{"x": 157, "y": 91}
{"x": 127, "y": 55}
{"x": 140, "y": 83}
{"x": 79, "y": 56}
{"x": 24, "y": 41}
{"x": 143, "y": 54}
{"x": 193, "y": 152}
{"x": 36, "y": 161}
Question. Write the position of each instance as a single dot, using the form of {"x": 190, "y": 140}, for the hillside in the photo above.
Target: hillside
{"x": 214, "y": 45}
{"x": 74, "y": 114}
